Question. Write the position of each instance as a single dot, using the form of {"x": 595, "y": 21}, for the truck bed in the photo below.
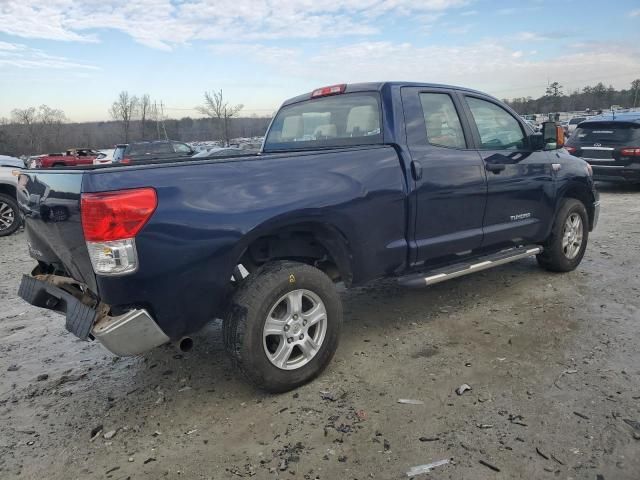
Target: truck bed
{"x": 208, "y": 210}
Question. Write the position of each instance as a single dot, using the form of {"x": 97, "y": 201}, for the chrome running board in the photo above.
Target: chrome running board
{"x": 476, "y": 265}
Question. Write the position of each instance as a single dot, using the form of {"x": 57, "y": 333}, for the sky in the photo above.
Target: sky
{"x": 77, "y": 55}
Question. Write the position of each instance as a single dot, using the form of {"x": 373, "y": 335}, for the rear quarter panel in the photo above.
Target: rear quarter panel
{"x": 208, "y": 212}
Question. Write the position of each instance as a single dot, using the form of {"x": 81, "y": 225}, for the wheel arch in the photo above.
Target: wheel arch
{"x": 8, "y": 189}
{"x": 583, "y": 193}
{"x": 315, "y": 242}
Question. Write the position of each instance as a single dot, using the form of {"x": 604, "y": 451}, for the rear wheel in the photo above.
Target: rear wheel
{"x": 9, "y": 217}
{"x": 565, "y": 247}
{"x": 283, "y": 325}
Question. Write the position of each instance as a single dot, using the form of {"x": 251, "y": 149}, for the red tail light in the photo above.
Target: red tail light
{"x": 116, "y": 215}
{"x": 571, "y": 150}
{"x": 630, "y": 152}
{"x": 125, "y": 160}
{"x": 326, "y": 91}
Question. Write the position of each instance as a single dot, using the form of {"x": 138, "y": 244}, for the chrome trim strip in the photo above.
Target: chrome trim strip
{"x": 440, "y": 277}
{"x": 481, "y": 264}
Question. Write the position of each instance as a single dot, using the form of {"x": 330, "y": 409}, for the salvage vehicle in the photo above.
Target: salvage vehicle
{"x": 71, "y": 158}
{"x": 611, "y": 144}
{"x": 10, "y": 219}
{"x": 127, "y": 153}
{"x": 354, "y": 183}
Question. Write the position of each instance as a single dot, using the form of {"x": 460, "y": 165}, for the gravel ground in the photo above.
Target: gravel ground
{"x": 552, "y": 360}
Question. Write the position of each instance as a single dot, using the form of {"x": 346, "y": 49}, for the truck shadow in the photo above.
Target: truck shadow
{"x": 372, "y": 314}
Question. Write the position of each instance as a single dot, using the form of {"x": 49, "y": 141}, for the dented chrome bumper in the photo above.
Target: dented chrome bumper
{"x": 131, "y": 333}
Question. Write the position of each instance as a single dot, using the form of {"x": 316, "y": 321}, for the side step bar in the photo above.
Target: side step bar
{"x": 476, "y": 265}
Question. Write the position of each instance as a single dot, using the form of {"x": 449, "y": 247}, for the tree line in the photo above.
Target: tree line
{"x": 594, "y": 98}
{"x": 37, "y": 130}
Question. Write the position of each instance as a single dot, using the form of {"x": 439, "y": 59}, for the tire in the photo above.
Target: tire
{"x": 557, "y": 256}
{"x": 9, "y": 215}
{"x": 271, "y": 291}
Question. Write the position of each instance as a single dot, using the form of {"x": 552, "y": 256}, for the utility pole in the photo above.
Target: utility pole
{"x": 164, "y": 128}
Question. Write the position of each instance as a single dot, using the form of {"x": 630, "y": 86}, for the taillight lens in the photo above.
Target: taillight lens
{"x": 126, "y": 161}
{"x": 116, "y": 215}
{"x": 630, "y": 152}
{"x": 571, "y": 150}
{"x": 110, "y": 221}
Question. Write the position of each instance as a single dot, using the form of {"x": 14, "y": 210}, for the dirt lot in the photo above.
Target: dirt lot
{"x": 553, "y": 362}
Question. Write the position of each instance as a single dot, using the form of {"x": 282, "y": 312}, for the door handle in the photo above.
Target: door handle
{"x": 416, "y": 170}
{"x": 495, "y": 167}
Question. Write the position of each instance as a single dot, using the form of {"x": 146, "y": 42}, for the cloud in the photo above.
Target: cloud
{"x": 635, "y": 13}
{"x": 162, "y": 24}
{"x": 16, "y": 55}
{"x": 491, "y": 65}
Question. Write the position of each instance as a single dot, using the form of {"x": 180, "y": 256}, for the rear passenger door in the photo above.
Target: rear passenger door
{"x": 520, "y": 193}
{"x": 450, "y": 188}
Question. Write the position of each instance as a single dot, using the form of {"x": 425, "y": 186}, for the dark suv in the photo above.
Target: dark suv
{"x": 611, "y": 145}
{"x": 141, "y": 151}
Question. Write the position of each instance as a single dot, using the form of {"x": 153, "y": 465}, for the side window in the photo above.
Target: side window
{"x": 162, "y": 148}
{"x": 181, "y": 148}
{"x": 498, "y": 129}
{"x": 442, "y": 121}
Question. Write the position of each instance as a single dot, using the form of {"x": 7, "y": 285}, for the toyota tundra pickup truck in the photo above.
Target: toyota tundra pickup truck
{"x": 354, "y": 183}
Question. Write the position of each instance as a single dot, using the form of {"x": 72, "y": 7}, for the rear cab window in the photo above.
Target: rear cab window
{"x": 342, "y": 120}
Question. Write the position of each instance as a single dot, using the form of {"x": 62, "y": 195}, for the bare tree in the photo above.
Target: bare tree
{"x": 28, "y": 118}
{"x": 215, "y": 106}
{"x": 123, "y": 110}
{"x": 51, "y": 120}
{"x": 144, "y": 109}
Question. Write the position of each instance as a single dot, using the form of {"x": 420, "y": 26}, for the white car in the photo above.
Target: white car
{"x": 573, "y": 124}
{"x": 105, "y": 156}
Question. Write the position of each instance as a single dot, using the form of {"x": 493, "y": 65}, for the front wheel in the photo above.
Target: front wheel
{"x": 282, "y": 328}
{"x": 9, "y": 217}
{"x": 565, "y": 247}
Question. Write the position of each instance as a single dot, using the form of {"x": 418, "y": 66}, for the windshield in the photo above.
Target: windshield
{"x": 577, "y": 120}
{"x": 336, "y": 121}
{"x": 607, "y": 133}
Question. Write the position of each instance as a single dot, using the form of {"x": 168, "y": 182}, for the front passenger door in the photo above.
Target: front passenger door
{"x": 520, "y": 193}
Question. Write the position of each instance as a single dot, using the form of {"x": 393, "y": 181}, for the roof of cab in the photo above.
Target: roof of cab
{"x": 627, "y": 117}
{"x": 377, "y": 86}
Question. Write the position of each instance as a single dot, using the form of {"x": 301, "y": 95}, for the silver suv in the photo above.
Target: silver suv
{"x": 10, "y": 218}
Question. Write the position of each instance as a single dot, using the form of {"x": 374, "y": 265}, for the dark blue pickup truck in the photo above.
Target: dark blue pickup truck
{"x": 354, "y": 183}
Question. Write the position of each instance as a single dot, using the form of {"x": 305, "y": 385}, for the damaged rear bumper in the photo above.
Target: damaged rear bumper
{"x": 131, "y": 333}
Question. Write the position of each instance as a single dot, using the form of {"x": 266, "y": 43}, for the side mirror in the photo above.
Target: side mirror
{"x": 553, "y": 136}
{"x": 536, "y": 141}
